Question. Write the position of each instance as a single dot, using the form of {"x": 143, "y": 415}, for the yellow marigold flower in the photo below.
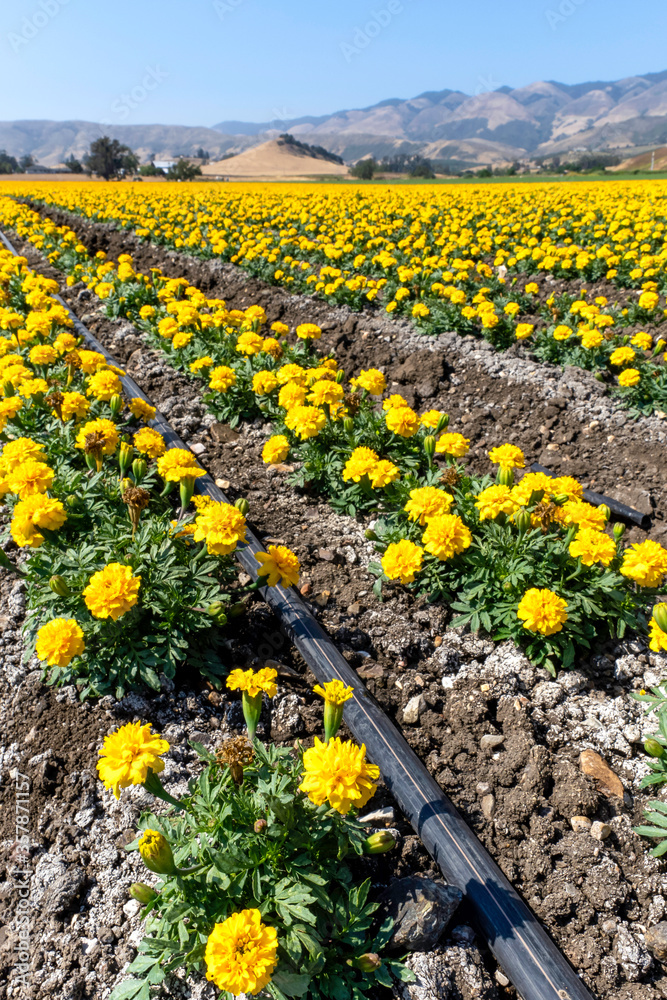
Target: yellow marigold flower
{"x": 167, "y": 327}
{"x": 106, "y": 428}
{"x": 91, "y": 361}
{"x": 648, "y": 301}
{"x": 561, "y": 485}
{"x": 59, "y": 641}
{"x": 181, "y": 339}
{"x": 426, "y": 502}
{"x": 446, "y": 536}
{"x": 275, "y": 450}
{"x": 452, "y": 444}
{"x": 222, "y": 526}
{"x": 645, "y": 563}
{"x": 43, "y": 354}
{"x": 431, "y": 419}
{"x": 33, "y": 386}
{"x": 402, "y": 420}
{"x": 305, "y": 421}
{"x": 372, "y": 380}
{"x": 420, "y": 310}
{"x": 590, "y": 339}
{"x": 271, "y": 346}
{"x": 279, "y": 565}
{"x": 30, "y": 477}
{"x": 149, "y": 442}
{"x": 402, "y": 561}
{"x": 524, "y": 330}
{"x": 280, "y": 329}
{"x": 292, "y": 373}
{"x": 254, "y": 682}
{"x": 622, "y": 356}
{"x": 222, "y": 378}
{"x": 337, "y": 772}
{"x": 103, "y": 385}
{"x": 177, "y": 464}
{"x": 658, "y": 638}
{"x": 383, "y": 473}
{"x": 112, "y": 591}
{"x": 308, "y": 331}
{"x": 140, "y": 409}
{"x": 249, "y": 343}
{"x": 326, "y": 391}
{"x": 562, "y": 332}
{"x": 495, "y": 500}
{"x": 508, "y": 456}
{"x": 65, "y": 342}
{"x": 532, "y": 288}
{"x": 8, "y": 409}
{"x": 204, "y": 362}
{"x": 334, "y": 692}
{"x": 361, "y": 463}
{"x": 128, "y": 755}
{"x": 642, "y": 340}
{"x": 629, "y": 377}
{"x": 291, "y": 395}
{"x": 147, "y": 312}
{"x": 532, "y": 482}
{"x": 241, "y": 953}
{"x": 35, "y": 512}
{"x": 264, "y": 382}
{"x": 21, "y": 450}
{"x": 592, "y": 546}
{"x": 394, "y": 401}
{"x": 542, "y": 611}
{"x": 75, "y": 405}
{"x": 583, "y": 514}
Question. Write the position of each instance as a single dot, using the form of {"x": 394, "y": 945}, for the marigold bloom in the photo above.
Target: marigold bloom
{"x": 222, "y": 526}
{"x": 334, "y": 692}
{"x": 402, "y": 420}
{"x": 337, "y": 772}
{"x": 383, "y": 473}
{"x": 35, "y": 512}
{"x": 291, "y": 395}
{"x": 583, "y": 514}
{"x": 508, "y": 456}
{"x": 249, "y": 343}
{"x": 431, "y": 419}
{"x": 523, "y": 330}
{"x": 112, "y": 591}
{"x": 254, "y": 682}
{"x": 622, "y": 356}
{"x": 645, "y": 563}
{"x": 275, "y": 450}
{"x": 21, "y": 450}
{"x": 305, "y": 421}
{"x": 642, "y": 340}
{"x": 542, "y": 611}
{"x": 629, "y": 378}
{"x": 127, "y": 756}
{"x": 222, "y": 378}
{"x": 564, "y": 485}
{"x": 264, "y": 382}
{"x": 590, "y": 339}
{"x": 308, "y": 331}
{"x": 203, "y": 362}
{"x": 103, "y": 385}
{"x": 426, "y": 502}
{"x": 140, "y": 409}
{"x": 562, "y": 332}
{"x": 372, "y": 380}
{"x": 177, "y": 464}
{"x": 393, "y": 401}
{"x": 402, "y": 561}
{"x": 658, "y": 638}
{"x": 279, "y": 565}
{"x": 292, "y": 373}
{"x": 592, "y": 546}
{"x": 271, "y": 346}
{"x": 8, "y": 409}
{"x": 452, "y": 444}
{"x": 241, "y": 953}
{"x": 156, "y": 853}
{"x": 495, "y": 500}
{"x": 106, "y": 428}
{"x": 30, "y": 477}
{"x": 532, "y": 482}
{"x": 59, "y": 641}
{"x": 43, "y": 354}
{"x": 446, "y": 536}
{"x": 326, "y": 391}
{"x": 149, "y": 442}
{"x": 361, "y": 463}
{"x": 91, "y": 361}
{"x": 75, "y": 405}
{"x": 648, "y": 301}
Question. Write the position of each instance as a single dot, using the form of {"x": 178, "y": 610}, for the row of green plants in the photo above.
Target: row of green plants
{"x": 530, "y": 561}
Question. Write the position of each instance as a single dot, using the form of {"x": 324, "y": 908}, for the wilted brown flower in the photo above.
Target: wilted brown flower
{"x": 352, "y": 402}
{"x": 137, "y": 499}
{"x": 237, "y": 752}
{"x": 544, "y": 514}
{"x": 450, "y": 477}
{"x": 55, "y": 400}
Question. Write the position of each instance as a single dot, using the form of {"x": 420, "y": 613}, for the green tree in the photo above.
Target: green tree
{"x": 183, "y": 170}
{"x": 73, "y": 165}
{"x": 8, "y": 164}
{"x": 364, "y": 169}
{"x": 109, "y": 158}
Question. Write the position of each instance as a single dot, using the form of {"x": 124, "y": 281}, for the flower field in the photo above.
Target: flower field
{"x": 485, "y": 593}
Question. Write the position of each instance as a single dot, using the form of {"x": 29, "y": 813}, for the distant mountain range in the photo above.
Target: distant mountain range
{"x": 542, "y": 118}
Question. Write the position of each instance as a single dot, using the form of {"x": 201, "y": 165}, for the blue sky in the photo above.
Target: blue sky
{"x": 198, "y": 62}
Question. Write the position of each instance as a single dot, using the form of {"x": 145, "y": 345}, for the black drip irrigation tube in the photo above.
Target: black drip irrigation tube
{"x": 519, "y": 943}
{"x": 620, "y": 510}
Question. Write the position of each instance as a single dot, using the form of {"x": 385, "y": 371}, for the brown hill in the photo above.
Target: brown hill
{"x": 274, "y": 159}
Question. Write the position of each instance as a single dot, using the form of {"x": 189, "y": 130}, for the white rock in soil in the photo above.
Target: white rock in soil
{"x": 131, "y": 908}
{"x": 631, "y": 953}
{"x": 413, "y": 709}
{"x": 547, "y": 694}
{"x": 581, "y": 824}
{"x": 433, "y": 979}
{"x": 599, "y": 830}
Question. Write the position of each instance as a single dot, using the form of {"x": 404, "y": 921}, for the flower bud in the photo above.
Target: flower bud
{"x": 187, "y": 488}
{"x": 659, "y": 347}
{"x": 618, "y": 530}
{"x": 156, "y": 853}
{"x": 599, "y": 376}
{"x": 560, "y": 499}
{"x": 139, "y": 469}
{"x": 260, "y": 825}
{"x": 442, "y": 424}
{"x": 429, "y": 445}
{"x": 73, "y": 501}
{"x": 653, "y": 748}
{"x": 379, "y": 842}
{"x": 116, "y": 404}
{"x": 242, "y": 505}
{"x": 348, "y": 425}
{"x": 217, "y": 613}
{"x": 505, "y": 477}
{"x": 370, "y": 535}
{"x": 142, "y": 893}
{"x": 660, "y": 616}
{"x": 236, "y": 610}
{"x": 340, "y": 375}
{"x": 605, "y": 510}
{"x": 8, "y": 389}
{"x": 369, "y": 962}
{"x": 125, "y": 456}
{"x": 522, "y": 520}
{"x": 58, "y": 585}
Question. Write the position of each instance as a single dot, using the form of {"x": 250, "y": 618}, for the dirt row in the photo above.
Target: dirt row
{"x": 468, "y": 708}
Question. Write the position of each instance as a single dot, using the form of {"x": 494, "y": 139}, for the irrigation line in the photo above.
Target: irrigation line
{"x": 521, "y": 946}
{"x": 620, "y": 510}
